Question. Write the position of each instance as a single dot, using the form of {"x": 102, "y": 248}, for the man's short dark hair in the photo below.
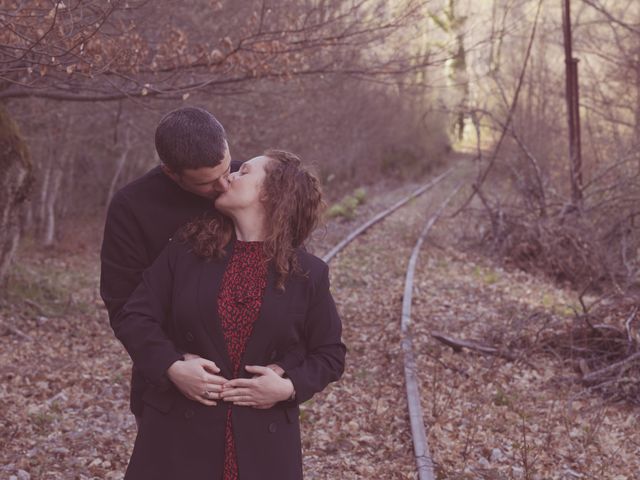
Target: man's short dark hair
{"x": 190, "y": 137}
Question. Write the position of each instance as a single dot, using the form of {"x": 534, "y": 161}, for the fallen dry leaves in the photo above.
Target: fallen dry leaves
{"x": 64, "y": 391}
{"x": 65, "y": 379}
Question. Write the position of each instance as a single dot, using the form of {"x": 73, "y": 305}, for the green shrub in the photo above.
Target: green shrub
{"x": 337, "y": 210}
{"x": 360, "y": 194}
{"x": 346, "y": 208}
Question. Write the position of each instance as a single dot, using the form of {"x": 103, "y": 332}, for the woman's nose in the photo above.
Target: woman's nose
{"x": 222, "y": 185}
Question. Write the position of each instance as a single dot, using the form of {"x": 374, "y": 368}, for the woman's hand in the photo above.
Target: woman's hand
{"x": 264, "y": 390}
{"x": 196, "y": 378}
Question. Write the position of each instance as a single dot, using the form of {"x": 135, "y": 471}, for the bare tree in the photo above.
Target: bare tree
{"x": 452, "y": 23}
{"x": 90, "y": 50}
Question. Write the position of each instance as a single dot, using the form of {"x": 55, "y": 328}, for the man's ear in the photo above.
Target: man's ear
{"x": 170, "y": 173}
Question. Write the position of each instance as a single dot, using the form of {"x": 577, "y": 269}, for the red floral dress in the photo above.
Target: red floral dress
{"x": 239, "y": 302}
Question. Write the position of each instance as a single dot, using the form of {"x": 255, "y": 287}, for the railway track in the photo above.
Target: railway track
{"x": 382, "y": 215}
{"x": 423, "y": 459}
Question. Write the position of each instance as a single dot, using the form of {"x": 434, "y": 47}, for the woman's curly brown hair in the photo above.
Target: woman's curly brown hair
{"x": 293, "y": 202}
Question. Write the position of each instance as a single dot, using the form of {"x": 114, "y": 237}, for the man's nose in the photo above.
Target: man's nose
{"x": 231, "y": 178}
{"x": 223, "y": 183}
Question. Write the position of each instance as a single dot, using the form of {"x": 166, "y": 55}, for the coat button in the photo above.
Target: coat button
{"x": 273, "y": 427}
{"x": 189, "y": 336}
{"x": 188, "y": 413}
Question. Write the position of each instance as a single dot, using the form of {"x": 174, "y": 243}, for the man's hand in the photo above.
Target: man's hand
{"x": 196, "y": 378}
{"x": 264, "y": 390}
{"x": 276, "y": 368}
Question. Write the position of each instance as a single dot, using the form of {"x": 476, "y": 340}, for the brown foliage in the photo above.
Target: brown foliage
{"x": 86, "y": 50}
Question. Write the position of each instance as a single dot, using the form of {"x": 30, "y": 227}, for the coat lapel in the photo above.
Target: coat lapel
{"x": 208, "y": 288}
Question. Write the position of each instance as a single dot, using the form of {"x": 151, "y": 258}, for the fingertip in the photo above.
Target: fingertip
{"x": 212, "y": 365}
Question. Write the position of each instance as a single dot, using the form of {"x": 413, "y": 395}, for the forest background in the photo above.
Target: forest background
{"x": 365, "y": 90}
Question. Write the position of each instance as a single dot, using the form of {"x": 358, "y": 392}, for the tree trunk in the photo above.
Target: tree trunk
{"x": 49, "y": 231}
{"x": 15, "y": 182}
{"x": 458, "y": 75}
{"x": 27, "y": 224}
{"x": 120, "y": 165}
{"x": 636, "y": 130}
{"x": 44, "y": 182}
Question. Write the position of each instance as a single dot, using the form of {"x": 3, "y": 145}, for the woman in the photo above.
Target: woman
{"x": 240, "y": 292}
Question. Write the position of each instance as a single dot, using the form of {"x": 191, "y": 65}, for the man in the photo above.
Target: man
{"x": 144, "y": 215}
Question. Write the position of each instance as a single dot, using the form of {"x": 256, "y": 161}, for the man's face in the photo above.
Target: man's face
{"x": 207, "y": 182}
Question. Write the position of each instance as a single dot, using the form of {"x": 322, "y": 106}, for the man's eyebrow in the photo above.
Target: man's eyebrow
{"x": 217, "y": 178}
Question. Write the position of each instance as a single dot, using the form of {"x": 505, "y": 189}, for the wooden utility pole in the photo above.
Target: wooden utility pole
{"x": 573, "y": 107}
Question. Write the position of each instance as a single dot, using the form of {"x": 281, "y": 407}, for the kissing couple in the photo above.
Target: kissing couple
{"x": 228, "y": 320}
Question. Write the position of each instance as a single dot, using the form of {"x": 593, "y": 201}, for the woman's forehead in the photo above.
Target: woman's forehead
{"x": 255, "y": 161}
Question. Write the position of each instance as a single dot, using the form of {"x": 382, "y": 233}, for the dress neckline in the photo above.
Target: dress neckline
{"x": 241, "y": 245}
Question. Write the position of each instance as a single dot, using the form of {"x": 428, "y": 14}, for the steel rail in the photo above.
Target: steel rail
{"x": 380, "y": 216}
{"x": 421, "y": 452}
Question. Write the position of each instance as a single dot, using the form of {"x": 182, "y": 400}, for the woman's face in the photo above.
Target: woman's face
{"x": 245, "y": 186}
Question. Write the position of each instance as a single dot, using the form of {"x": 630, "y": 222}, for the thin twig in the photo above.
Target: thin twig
{"x": 16, "y": 331}
{"x": 458, "y": 345}
{"x": 618, "y": 366}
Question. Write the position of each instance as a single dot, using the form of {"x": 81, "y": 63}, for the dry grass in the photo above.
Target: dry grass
{"x": 492, "y": 418}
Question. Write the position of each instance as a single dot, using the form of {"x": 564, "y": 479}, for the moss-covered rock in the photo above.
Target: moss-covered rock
{"x": 16, "y": 178}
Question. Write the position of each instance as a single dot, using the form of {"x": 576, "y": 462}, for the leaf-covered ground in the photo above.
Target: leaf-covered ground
{"x": 64, "y": 390}
{"x": 489, "y": 417}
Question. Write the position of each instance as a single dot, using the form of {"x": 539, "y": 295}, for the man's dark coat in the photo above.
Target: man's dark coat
{"x": 141, "y": 219}
{"x": 175, "y": 310}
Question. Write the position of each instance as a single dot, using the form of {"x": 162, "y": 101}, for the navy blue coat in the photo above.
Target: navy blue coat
{"x": 175, "y": 310}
